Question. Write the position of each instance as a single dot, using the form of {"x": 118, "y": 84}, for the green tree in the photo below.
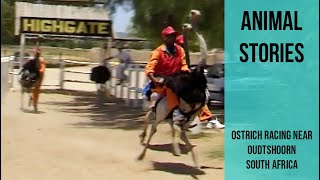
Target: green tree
{"x": 7, "y": 23}
{"x": 152, "y": 16}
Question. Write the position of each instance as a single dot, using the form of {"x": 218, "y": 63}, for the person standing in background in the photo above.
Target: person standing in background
{"x": 124, "y": 60}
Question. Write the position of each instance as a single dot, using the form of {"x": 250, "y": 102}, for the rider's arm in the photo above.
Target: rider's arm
{"x": 152, "y": 78}
{"x": 184, "y": 66}
{"x": 42, "y": 66}
{"x": 150, "y": 68}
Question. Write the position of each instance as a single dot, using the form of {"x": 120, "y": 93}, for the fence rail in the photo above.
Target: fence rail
{"x": 129, "y": 91}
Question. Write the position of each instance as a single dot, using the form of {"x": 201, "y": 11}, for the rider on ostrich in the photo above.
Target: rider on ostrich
{"x": 41, "y": 66}
{"x": 166, "y": 60}
{"x": 205, "y": 115}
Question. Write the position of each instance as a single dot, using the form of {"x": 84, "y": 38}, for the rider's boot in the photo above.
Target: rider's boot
{"x": 35, "y": 106}
{"x": 30, "y": 101}
{"x": 214, "y": 123}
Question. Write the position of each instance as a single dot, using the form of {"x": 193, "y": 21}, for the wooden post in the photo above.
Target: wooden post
{"x": 129, "y": 84}
{"x": 21, "y": 58}
{"x": 10, "y": 71}
{"x": 136, "y": 69}
{"x": 105, "y": 52}
{"x": 22, "y": 46}
{"x": 62, "y": 66}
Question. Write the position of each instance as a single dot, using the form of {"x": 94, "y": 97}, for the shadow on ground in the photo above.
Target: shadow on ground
{"x": 167, "y": 148}
{"x": 31, "y": 111}
{"x": 180, "y": 168}
{"x": 102, "y": 112}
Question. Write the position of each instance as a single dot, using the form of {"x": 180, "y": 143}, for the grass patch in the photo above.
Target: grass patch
{"x": 216, "y": 153}
{"x": 200, "y": 135}
{"x": 68, "y": 92}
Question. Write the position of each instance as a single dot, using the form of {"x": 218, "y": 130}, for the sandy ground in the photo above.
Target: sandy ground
{"x": 78, "y": 136}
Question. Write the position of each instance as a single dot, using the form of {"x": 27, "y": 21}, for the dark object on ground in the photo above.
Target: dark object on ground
{"x": 29, "y": 74}
{"x": 28, "y": 79}
{"x": 100, "y": 74}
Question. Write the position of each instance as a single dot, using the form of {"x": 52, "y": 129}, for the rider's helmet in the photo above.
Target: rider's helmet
{"x": 37, "y": 50}
{"x": 169, "y": 31}
{"x": 179, "y": 40}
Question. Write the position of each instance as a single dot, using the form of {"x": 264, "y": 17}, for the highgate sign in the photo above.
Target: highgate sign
{"x": 75, "y": 27}
{"x": 62, "y": 20}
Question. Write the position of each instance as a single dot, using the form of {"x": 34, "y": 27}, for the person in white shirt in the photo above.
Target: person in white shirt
{"x": 124, "y": 59}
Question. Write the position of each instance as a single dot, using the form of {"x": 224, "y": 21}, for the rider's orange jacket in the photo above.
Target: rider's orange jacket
{"x": 162, "y": 63}
{"x": 37, "y": 85}
{"x": 42, "y": 67}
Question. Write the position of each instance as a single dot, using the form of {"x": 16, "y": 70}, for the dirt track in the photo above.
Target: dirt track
{"x": 76, "y": 137}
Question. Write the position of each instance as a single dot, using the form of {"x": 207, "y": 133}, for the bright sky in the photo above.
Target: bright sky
{"x": 122, "y": 19}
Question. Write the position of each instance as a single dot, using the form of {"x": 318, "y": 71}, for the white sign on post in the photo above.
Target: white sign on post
{"x": 44, "y": 17}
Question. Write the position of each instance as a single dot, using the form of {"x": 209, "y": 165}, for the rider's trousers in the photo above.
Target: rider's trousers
{"x": 173, "y": 102}
{"x": 36, "y": 91}
{"x": 205, "y": 114}
{"x": 172, "y": 99}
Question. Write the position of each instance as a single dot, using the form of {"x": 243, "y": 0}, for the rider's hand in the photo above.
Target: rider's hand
{"x": 155, "y": 81}
{"x": 158, "y": 82}
{"x": 187, "y": 70}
